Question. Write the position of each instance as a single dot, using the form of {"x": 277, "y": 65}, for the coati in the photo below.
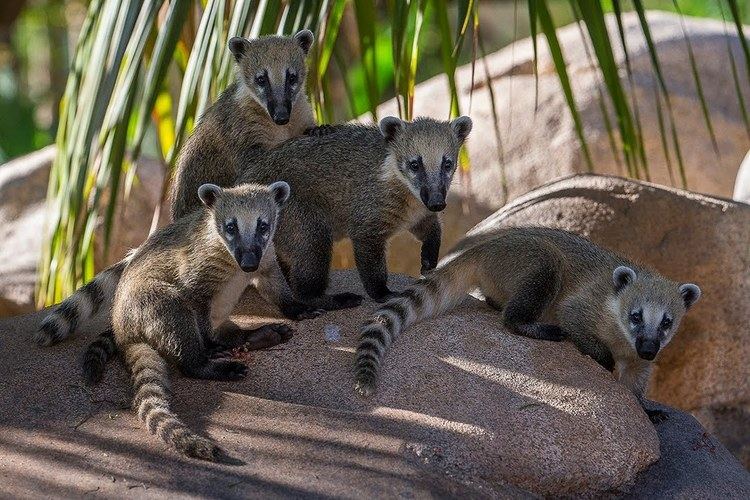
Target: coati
{"x": 265, "y": 106}
{"x": 247, "y": 115}
{"x": 180, "y": 286}
{"x": 364, "y": 182}
{"x": 550, "y": 284}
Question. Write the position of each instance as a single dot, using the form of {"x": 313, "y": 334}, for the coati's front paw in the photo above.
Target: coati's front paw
{"x": 228, "y": 370}
{"x": 299, "y": 311}
{"x": 552, "y": 332}
{"x": 656, "y": 416}
{"x": 283, "y": 331}
{"x": 216, "y": 350}
{"x": 541, "y": 331}
{"x": 264, "y": 337}
{"x": 346, "y": 300}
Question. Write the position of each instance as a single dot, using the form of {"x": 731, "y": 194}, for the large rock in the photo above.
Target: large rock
{"x": 685, "y": 236}
{"x": 464, "y": 409}
{"x": 538, "y": 147}
{"x": 23, "y": 211}
{"x": 693, "y": 464}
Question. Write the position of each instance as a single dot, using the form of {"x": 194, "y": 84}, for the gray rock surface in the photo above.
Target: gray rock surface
{"x": 693, "y": 464}
{"x": 464, "y": 408}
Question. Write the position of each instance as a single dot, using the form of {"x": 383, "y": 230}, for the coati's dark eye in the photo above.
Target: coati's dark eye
{"x": 262, "y": 227}
{"x": 414, "y": 164}
{"x": 447, "y": 164}
{"x": 261, "y": 80}
{"x": 230, "y": 228}
{"x": 636, "y": 317}
{"x": 291, "y": 78}
{"x": 666, "y": 323}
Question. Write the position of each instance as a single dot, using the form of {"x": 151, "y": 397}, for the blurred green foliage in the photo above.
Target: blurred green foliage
{"x": 41, "y": 37}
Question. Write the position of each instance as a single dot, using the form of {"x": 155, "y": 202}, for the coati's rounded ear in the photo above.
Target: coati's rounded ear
{"x": 690, "y": 294}
{"x": 390, "y": 127}
{"x": 237, "y": 46}
{"x": 280, "y": 191}
{"x": 461, "y": 127}
{"x": 622, "y": 276}
{"x": 208, "y": 193}
{"x": 305, "y": 40}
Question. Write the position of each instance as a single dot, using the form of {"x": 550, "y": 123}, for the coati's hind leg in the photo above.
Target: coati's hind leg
{"x": 272, "y": 285}
{"x": 306, "y": 263}
{"x": 530, "y": 298}
{"x": 176, "y": 333}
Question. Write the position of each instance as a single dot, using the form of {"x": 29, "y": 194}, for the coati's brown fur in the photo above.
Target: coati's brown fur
{"x": 365, "y": 183}
{"x": 179, "y": 287}
{"x": 241, "y": 120}
{"x": 265, "y": 106}
{"x": 550, "y": 284}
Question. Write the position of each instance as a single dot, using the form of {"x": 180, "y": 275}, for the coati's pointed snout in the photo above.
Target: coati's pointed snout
{"x": 647, "y": 348}
{"x": 281, "y": 116}
{"x": 280, "y": 110}
{"x": 434, "y": 201}
{"x": 248, "y": 258}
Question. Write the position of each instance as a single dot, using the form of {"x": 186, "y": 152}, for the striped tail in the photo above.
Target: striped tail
{"x": 442, "y": 290}
{"x": 151, "y": 402}
{"x": 96, "y": 356}
{"x": 79, "y": 307}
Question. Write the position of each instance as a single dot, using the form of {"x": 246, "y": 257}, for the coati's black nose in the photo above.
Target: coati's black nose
{"x": 436, "y": 207}
{"x": 248, "y": 259}
{"x": 281, "y": 116}
{"x": 647, "y": 348}
{"x": 435, "y": 202}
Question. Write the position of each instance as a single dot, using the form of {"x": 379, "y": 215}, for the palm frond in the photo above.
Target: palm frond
{"x": 548, "y": 28}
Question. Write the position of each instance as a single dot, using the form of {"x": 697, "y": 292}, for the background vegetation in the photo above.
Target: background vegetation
{"x": 111, "y": 81}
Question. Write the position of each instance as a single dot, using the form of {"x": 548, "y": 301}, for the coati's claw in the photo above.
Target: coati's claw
{"x": 656, "y": 416}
